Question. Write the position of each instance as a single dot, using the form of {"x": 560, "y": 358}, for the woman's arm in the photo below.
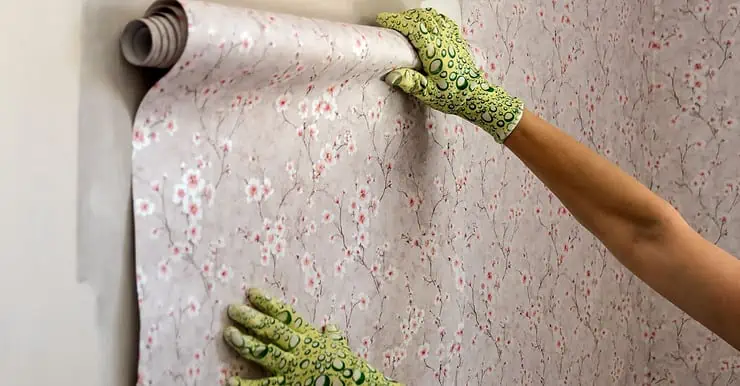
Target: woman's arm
{"x": 642, "y": 230}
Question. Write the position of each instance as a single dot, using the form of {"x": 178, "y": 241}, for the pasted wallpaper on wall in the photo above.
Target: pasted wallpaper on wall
{"x": 273, "y": 155}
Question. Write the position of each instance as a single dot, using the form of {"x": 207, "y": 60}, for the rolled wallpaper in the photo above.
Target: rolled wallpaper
{"x": 272, "y": 155}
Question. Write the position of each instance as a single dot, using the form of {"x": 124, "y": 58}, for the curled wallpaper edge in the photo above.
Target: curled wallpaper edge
{"x": 165, "y": 38}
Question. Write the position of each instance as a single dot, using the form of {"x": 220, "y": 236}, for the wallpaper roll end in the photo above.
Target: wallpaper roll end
{"x": 158, "y": 39}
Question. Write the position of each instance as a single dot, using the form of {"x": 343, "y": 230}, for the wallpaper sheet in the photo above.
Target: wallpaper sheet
{"x": 273, "y": 155}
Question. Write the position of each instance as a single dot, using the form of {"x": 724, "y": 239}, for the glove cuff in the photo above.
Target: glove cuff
{"x": 505, "y": 114}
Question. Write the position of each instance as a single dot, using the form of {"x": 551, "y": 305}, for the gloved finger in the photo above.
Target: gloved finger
{"x": 279, "y": 310}
{"x": 418, "y": 25}
{"x": 409, "y": 80}
{"x": 272, "y": 381}
{"x": 250, "y": 348}
{"x": 267, "y": 328}
{"x": 333, "y": 332}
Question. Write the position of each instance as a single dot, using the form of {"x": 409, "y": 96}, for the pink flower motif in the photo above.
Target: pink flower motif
{"x": 460, "y": 281}
{"x": 226, "y": 145}
{"x": 193, "y": 372}
{"x": 191, "y": 206}
{"x": 362, "y": 301}
{"x": 193, "y": 233}
{"x": 143, "y": 207}
{"x": 163, "y": 270}
{"x": 171, "y": 127}
{"x": 311, "y": 284}
{"x": 339, "y": 269}
{"x": 306, "y": 262}
{"x": 390, "y": 273}
{"x": 198, "y": 355}
{"x": 303, "y": 109}
{"x": 361, "y": 218}
{"x": 282, "y": 102}
{"x": 313, "y": 131}
{"x": 224, "y": 273}
{"x": 328, "y": 155}
{"x": 362, "y": 238}
{"x": 267, "y": 189}
{"x": 327, "y": 217}
{"x": 265, "y": 259}
{"x": 253, "y": 190}
{"x": 279, "y": 248}
{"x": 245, "y": 42}
{"x": 318, "y": 169}
{"x": 192, "y": 309}
{"x": 206, "y": 269}
{"x": 193, "y": 182}
{"x": 363, "y": 192}
{"x": 140, "y": 137}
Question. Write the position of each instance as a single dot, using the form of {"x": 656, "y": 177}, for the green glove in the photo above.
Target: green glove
{"x": 282, "y": 342}
{"x": 452, "y": 82}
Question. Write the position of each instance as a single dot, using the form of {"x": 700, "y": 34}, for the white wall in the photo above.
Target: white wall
{"x": 67, "y": 304}
{"x": 45, "y": 314}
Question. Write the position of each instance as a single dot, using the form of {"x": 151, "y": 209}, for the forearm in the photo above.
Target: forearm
{"x": 643, "y": 231}
{"x": 611, "y": 204}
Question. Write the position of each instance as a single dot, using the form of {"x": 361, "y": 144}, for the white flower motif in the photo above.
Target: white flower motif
{"x": 193, "y": 181}
{"x": 339, "y": 269}
{"x": 391, "y": 273}
{"x": 226, "y": 145}
{"x": 282, "y": 102}
{"x": 253, "y": 190}
{"x": 209, "y": 193}
{"x": 163, "y": 270}
{"x": 306, "y": 262}
{"x": 224, "y": 273}
{"x": 423, "y": 351}
{"x": 267, "y": 189}
{"x": 140, "y": 137}
{"x": 191, "y": 206}
{"x": 143, "y": 207}
{"x": 460, "y": 280}
{"x": 359, "y": 46}
{"x": 193, "y": 307}
{"x": 362, "y": 301}
{"x": 311, "y": 284}
{"x": 303, "y": 109}
{"x": 328, "y": 155}
{"x": 171, "y": 127}
{"x": 245, "y": 42}
{"x": 327, "y": 217}
{"x": 206, "y": 269}
{"x": 194, "y": 233}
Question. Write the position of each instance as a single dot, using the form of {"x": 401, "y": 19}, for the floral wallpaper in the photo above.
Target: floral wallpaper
{"x": 272, "y": 155}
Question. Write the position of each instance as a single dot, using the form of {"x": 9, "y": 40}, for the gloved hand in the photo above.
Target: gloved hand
{"x": 451, "y": 82}
{"x": 282, "y": 342}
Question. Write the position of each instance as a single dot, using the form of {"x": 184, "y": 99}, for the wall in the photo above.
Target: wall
{"x": 648, "y": 85}
{"x": 47, "y": 315}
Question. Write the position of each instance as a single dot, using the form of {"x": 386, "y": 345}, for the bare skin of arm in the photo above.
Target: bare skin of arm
{"x": 642, "y": 230}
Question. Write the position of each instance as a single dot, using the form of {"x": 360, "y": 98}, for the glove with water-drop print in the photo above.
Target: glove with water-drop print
{"x": 450, "y": 82}
{"x": 282, "y": 342}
